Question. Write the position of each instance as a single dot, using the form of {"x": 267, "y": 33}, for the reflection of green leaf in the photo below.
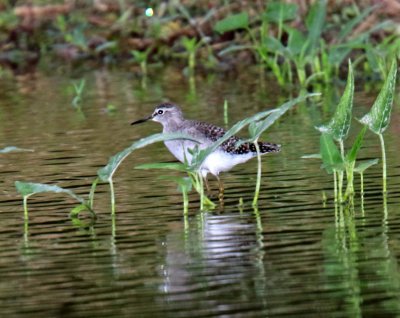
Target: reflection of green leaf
{"x": 232, "y": 22}
{"x": 339, "y": 125}
{"x": 378, "y": 117}
{"x": 108, "y": 171}
{"x": 365, "y": 165}
{"x": 331, "y": 158}
{"x": 28, "y": 188}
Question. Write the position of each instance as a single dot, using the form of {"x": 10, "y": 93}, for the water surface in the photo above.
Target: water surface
{"x": 293, "y": 256}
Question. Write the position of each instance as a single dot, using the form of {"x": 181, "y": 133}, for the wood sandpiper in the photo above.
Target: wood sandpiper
{"x": 228, "y": 155}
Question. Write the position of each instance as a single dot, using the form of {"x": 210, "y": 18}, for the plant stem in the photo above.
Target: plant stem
{"x": 335, "y": 191}
{"x": 258, "y": 183}
{"x": 362, "y": 184}
{"x": 383, "y": 162}
{"x": 112, "y": 196}
{"x": 185, "y": 201}
{"x": 199, "y": 181}
{"x": 26, "y": 216}
{"x": 92, "y": 192}
{"x": 341, "y": 172}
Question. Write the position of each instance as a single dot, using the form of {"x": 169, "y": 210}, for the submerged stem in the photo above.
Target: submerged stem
{"x": 383, "y": 162}
{"x": 258, "y": 183}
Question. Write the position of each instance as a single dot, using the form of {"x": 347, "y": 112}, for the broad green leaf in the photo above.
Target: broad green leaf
{"x": 365, "y": 165}
{"x": 13, "y": 149}
{"x": 26, "y": 189}
{"x": 330, "y": 154}
{"x": 232, "y": 22}
{"x": 268, "y": 121}
{"x": 352, "y": 154}
{"x": 348, "y": 28}
{"x": 312, "y": 156}
{"x": 106, "y": 173}
{"x": 279, "y": 11}
{"x": 315, "y": 22}
{"x": 296, "y": 41}
{"x": 273, "y": 45}
{"x": 163, "y": 165}
{"x": 378, "y": 118}
{"x": 339, "y": 125}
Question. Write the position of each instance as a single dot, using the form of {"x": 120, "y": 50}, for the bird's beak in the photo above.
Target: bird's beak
{"x": 142, "y": 120}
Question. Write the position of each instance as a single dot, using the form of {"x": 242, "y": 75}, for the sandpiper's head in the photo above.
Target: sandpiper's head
{"x": 163, "y": 114}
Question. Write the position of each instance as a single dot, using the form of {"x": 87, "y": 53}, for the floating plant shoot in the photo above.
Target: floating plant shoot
{"x": 378, "y": 118}
{"x": 27, "y": 189}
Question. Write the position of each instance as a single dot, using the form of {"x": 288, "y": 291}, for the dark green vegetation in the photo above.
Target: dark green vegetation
{"x": 293, "y": 42}
{"x": 377, "y": 120}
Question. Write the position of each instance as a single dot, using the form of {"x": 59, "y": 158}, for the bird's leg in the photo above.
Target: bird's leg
{"x": 221, "y": 189}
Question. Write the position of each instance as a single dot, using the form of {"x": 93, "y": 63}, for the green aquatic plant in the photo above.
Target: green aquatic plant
{"x": 232, "y": 22}
{"x": 378, "y": 118}
{"x": 191, "y": 46}
{"x": 107, "y": 172}
{"x": 335, "y": 161}
{"x": 339, "y": 125}
{"x": 142, "y": 57}
{"x": 27, "y": 189}
{"x": 78, "y": 90}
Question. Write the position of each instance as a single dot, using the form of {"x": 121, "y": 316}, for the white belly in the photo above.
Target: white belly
{"x": 218, "y": 161}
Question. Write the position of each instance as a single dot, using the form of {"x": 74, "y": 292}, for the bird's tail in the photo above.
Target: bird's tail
{"x": 265, "y": 147}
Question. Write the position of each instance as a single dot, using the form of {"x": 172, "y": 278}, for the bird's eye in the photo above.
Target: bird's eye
{"x": 160, "y": 112}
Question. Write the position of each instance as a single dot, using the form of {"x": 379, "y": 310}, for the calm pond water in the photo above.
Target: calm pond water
{"x": 294, "y": 256}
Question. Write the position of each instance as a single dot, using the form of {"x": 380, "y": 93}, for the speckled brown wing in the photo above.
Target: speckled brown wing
{"x": 213, "y": 133}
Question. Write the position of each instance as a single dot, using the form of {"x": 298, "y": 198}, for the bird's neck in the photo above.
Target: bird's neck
{"x": 173, "y": 125}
